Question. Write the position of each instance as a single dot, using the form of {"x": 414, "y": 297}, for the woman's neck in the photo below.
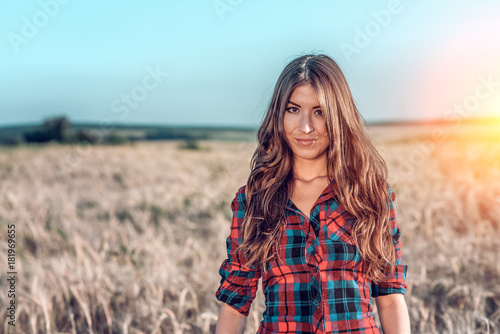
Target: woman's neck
{"x": 309, "y": 170}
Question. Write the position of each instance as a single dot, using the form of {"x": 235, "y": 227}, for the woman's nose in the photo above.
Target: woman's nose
{"x": 306, "y": 125}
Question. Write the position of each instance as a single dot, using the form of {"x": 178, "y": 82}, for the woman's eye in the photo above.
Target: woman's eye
{"x": 319, "y": 112}
{"x": 292, "y": 109}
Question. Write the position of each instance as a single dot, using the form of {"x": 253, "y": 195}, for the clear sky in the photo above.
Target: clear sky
{"x": 205, "y": 62}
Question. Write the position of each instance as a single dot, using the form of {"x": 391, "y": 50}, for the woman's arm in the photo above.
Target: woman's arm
{"x": 393, "y": 314}
{"x": 230, "y": 321}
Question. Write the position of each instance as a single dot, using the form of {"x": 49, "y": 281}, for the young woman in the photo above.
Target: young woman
{"x": 316, "y": 217}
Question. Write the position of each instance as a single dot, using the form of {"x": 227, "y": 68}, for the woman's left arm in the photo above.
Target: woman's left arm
{"x": 393, "y": 314}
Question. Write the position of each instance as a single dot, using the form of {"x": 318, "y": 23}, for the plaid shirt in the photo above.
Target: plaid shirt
{"x": 319, "y": 287}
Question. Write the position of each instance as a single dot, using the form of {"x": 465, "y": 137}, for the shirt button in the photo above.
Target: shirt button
{"x": 315, "y": 269}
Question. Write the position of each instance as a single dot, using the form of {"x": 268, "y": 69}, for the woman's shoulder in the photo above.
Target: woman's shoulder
{"x": 392, "y": 194}
{"x": 241, "y": 190}
{"x": 240, "y": 197}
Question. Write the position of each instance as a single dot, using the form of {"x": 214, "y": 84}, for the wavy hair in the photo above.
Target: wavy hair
{"x": 353, "y": 162}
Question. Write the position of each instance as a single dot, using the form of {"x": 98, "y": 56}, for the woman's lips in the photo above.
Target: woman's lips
{"x": 305, "y": 142}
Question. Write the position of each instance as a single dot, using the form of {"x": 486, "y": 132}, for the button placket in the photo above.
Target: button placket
{"x": 313, "y": 257}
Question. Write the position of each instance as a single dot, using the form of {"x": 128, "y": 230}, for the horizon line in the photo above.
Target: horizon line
{"x": 243, "y": 127}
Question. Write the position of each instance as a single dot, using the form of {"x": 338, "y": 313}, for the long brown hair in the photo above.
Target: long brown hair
{"x": 353, "y": 162}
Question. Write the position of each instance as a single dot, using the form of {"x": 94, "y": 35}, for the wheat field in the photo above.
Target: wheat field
{"x": 129, "y": 239}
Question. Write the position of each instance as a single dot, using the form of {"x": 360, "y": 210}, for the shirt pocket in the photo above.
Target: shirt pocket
{"x": 339, "y": 246}
{"x": 339, "y": 225}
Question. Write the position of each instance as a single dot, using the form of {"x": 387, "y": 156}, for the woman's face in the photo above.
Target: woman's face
{"x": 305, "y": 125}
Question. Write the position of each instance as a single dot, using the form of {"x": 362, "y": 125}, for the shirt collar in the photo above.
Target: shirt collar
{"x": 328, "y": 193}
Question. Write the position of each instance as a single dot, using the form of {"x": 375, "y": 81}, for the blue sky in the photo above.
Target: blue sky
{"x": 205, "y": 62}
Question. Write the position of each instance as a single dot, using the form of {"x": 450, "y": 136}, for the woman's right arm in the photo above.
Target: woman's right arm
{"x": 239, "y": 282}
{"x": 230, "y": 321}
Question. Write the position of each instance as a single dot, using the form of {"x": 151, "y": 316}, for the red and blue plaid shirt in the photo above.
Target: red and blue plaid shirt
{"x": 319, "y": 286}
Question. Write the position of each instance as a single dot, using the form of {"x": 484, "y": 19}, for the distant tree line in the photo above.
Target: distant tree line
{"x": 59, "y": 129}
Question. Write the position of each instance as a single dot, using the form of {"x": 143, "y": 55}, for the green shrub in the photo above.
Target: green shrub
{"x": 115, "y": 138}
{"x": 189, "y": 145}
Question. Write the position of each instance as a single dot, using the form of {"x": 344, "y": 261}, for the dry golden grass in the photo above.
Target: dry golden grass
{"x": 129, "y": 239}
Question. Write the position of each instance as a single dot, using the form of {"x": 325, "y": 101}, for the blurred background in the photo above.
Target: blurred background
{"x": 126, "y": 129}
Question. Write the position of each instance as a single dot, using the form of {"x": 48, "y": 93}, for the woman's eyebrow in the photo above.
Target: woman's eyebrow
{"x": 296, "y": 104}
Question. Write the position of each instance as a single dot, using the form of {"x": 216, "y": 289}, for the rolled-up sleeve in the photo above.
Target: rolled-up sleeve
{"x": 239, "y": 283}
{"x": 396, "y": 280}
